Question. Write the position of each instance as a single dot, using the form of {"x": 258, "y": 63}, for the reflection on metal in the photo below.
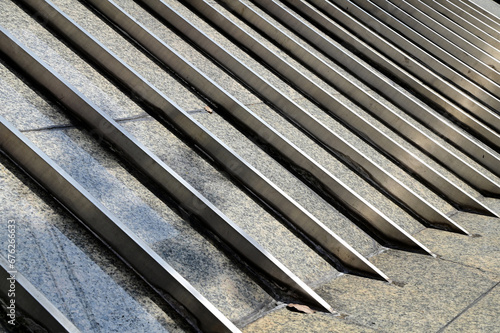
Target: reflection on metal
{"x": 232, "y": 163}
{"x": 96, "y": 217}
{"x": 475, "y": 14}
{"x": 460, "y": 26}
{"x": 447, "y": 158}
{"x": 154, "y": 168}
{"x": 405, "y": 64}
{"x": 464, "y": 46}
{"x": 358, "y": 124}
{"x": 475, "y": 58}
{"x": 28, "y": 299}
{"x": 387, "y": 229}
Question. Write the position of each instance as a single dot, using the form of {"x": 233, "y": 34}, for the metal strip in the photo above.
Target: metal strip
{"x": 368, "y": 75}
{"x": 459, "y": 25}
{"x": 228, "y": 159}
{"x": 31, "y": 301}
{"x": 459, "y": 43}
{"x": 334, "y": 142}
{"x": 476, "y": 14}
{"x": 372, "y": 77}
{"x": 441, "y": 86}
{"x": 95, "y": 216}
{"x": 352, "y": 90}
{"x": 355, "y": 121}
{"x": 388, "y": 229}
{"x": 480, "y": 61}
{"x": 148, "y": 163}
{"x": 446, "y": 188}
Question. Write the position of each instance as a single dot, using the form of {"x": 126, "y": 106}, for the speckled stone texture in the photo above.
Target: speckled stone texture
{"x": 456, "y": 292}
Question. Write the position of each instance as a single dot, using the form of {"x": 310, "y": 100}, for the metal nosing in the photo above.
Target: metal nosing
{"x": 392, "y": 232}
{"x": 488, "y": 81}
{"x": 230, "y": 161}
{"x": 31, "y": 300}
{"x": 459, "y": 25}
{"x": 357, "y": 123}
{"x": 336, "y": 143}
{"x": 93, "y": 214}
{"x": 483, "y": 64}
{"x": 406, "y": 63}
{"x": 460, "y": 167}
{"x": 407, "y": 103}
{"x": 151, "y": 165}
{"x": 446, "y": 188}
{"x": 482, "y": 18}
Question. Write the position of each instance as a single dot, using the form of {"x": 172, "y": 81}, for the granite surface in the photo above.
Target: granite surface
{"x": 456, "y": 292}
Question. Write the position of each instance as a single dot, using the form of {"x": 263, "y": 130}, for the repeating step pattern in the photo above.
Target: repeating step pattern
{"x": 209, "y": 161}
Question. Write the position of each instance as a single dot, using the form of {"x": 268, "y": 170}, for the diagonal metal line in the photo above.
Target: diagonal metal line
{"x": 30, "y": 300}
{"x": 481, "y": 17}
{"x": 336, "y": 143}
{"x": 229, "y": 160}
{"x": 462, "y": 44}
{"x": 459, "y": 25}
{"x": 266, "y": 90}
{"x": 151, "y": 165}
{"x": 96, "y": 217}
{"x": 441, "y": 86}
{"x": 386, "y": 11}
{"x": 392, "y": 233}
{"x": 438, "y": 152}
{"x": 357, "y": 123}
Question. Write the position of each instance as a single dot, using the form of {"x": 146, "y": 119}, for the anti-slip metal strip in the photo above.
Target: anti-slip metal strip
{"x": 353, "y": 91}
{"x": 460, "y": 43}
{"x": 476, "y": 14}
{"x": 96, "y": 217}
{"x": 438, "y": 152}
{"x": 386, "y": 228}
{"x": 475, "y": 58}
{"x": 333, "y": 77}
{"x": 336, "y": 143}
{"x": 15, "y": 287}
{"x": 148, "y": 163}
{"x": 333, "y": 105}
{"x": 460, "y": 26}
{"x": 445, "y": 187}
{"x": 232, "y": 163}
{"x": 406, "y": 62}
{"x": 371, "y": 77}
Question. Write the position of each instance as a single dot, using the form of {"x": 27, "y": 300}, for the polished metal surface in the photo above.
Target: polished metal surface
{"x": 330, "y": 139}
{"x": 232, "y": 163}
{"x": 441, "y": 87}
{"x": 204, "y": 144}
{"x": 474, "y": 13}
{"x": 472, "y": 56}
{"x": 27, "y": 298}
{"x": 96, "y": 217}
{"x": 358, "y": 124}
{"x": 459, "y": 25}
{"x": 402, "y": 74}
{"x": 336, "y": 188}
{"x": 158, "y": 171}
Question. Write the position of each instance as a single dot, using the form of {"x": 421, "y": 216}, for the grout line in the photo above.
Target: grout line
{"x": 468, "y": 307}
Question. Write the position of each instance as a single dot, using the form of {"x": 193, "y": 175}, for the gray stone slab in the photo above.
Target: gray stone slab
{"x": 481, "y": 251}
{"x": 192, "y": 255}
{"x": 480, "y": 317}
{"x": 79, "y": 275}
{"x": 233, "y": 202}
{"x": 283, "y": 320}
{"x": 427, "y": 293}
{"x": 66, "y": 63}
